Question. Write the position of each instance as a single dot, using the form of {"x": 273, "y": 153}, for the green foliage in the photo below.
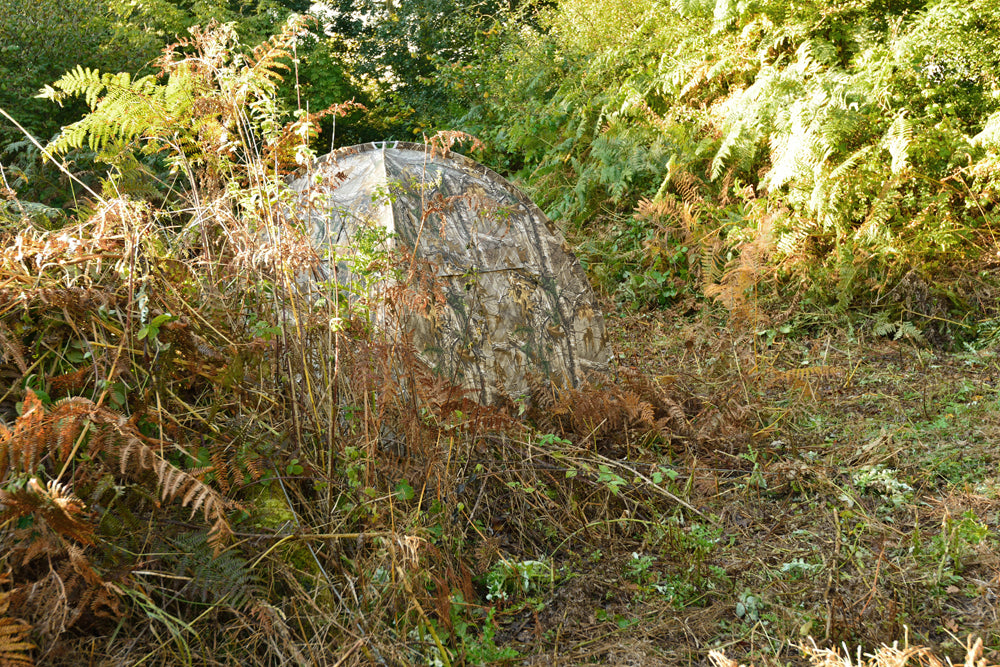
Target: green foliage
{"x": 693, "y": 142}
{"x": 478, "y": 648}
{"x": 323, "y": 77}
{"x": 884, "y": 483}
{"x": 395, "y": 50}
{"x": 122, "y": 109}
{"x": 897, "y": 330}
{"x": 514, "y": 580}
{"x": 211, "y": 118}
{"x": 254, "y": 20}
{"x": 862, "y": 133}
{"x": 39, "y": 41}
{"x": 207, "y": 119}
{"x": 73, "y": 41}
{"x": 210, "y": 580}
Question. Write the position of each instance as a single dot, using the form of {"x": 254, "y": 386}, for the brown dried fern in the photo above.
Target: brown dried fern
{"x": 736, "y": 289}
{"x": 137, "y": 457}
{"x": 32, "y": 436}
{"x": 613, "y": 414}
{"x": 14, "y": 643}
{"x": 53, "y": 504}
{"x": 72, "y": 382}
{"x": 28, "y": 437}
{"x": 11, "y": 348}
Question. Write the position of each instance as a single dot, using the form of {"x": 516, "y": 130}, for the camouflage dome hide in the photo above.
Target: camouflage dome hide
{"x": 517, "y": 302}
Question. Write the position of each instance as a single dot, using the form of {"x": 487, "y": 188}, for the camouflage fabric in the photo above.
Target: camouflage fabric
{"x": 518, "y": 301}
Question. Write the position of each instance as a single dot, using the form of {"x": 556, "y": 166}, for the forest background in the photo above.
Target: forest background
{"x": 789, "y": 205}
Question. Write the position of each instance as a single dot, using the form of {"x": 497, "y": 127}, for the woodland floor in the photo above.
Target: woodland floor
{"x": 855, "y": 504}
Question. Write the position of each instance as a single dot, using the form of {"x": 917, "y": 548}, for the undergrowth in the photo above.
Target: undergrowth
{"x": 207, "y": 456}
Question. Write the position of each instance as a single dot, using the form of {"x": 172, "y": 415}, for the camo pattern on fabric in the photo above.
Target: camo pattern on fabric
{"x": 518, "y": 301}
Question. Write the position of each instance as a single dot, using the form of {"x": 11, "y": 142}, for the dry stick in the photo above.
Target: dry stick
{"x": 333, "y": 404}
{"x": 194, "y": 312}
{"x": 874, "y": 588}
{"x": 831, "y": 570}
{"x": 48, "y": 156}
{"x": 348, "y": 652}
{"x": 420, "y": 610}
{"x": 555, "y": 644}
{"x": 307, "y": 376}
{"x": 661, "y": 491}
{"x": 739, "y": 369}
{"x": 159, "y": 421}
{"x": 188, "y": 626}
{"x": 93, "y": 355}
{"x": 290, "y": 645}
{"x": 76, "y": 446}
{"x": 326, "y": 576}
{"x": 598, "y": 523}
{"x": 295, "y": 516}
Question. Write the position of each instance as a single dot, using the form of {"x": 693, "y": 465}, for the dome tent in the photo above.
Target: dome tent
{"x": 517, "y": 301}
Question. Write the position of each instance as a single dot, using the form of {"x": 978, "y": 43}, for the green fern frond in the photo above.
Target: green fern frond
{"x": 726, "y": 11}
{"x": 850, "y": 163}
{"x": 898, "y": 329}
{"x": 897, "y": 140}
{"x": 692, "y": 8}
{"x": 989, "y": 137}
{"x": 219, "y": 578}
{"x": 121, "y": 108}
{"x": 724, "y": 154}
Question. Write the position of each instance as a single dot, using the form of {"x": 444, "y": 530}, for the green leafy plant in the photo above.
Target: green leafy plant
{"x": 608, "y": 477}
{"x": 152, "y": 330}
{"x": 638, "y": 568}
{"x": 476, "y": 640}
{"x": 513, "y": 580}
{"x": 955, "y": 543}
{"x": 797, "y": 568}
{"x": 749, "y": 607}
{"x": 883, "y": 482}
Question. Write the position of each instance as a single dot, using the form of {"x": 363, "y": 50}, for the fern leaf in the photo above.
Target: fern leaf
{"x": 53, "y": 505}
{"x": 121, "y": 108}
{"x": 989, "y": 137}
{"x": 125, "y": 456}
{"x": 725, "y": 150}
{"x": 897, "y": 140}
{"x": 11, "y": 348}
{"x": 850, "y": 163}
{"x": 198, "y": 496}
{"x": 193, "y": 490}
{"x": 909, "y": 330}
{"x": 14, "y": 643}
{"x": 171, "y": 479}
{"x": 724, "y": 14}
{"x": 219, "y": 534}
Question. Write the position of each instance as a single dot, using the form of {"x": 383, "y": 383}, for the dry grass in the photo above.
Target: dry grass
{"x": 884, "y": 656}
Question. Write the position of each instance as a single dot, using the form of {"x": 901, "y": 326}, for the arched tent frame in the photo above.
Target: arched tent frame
{"x": 518, "y": 301}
